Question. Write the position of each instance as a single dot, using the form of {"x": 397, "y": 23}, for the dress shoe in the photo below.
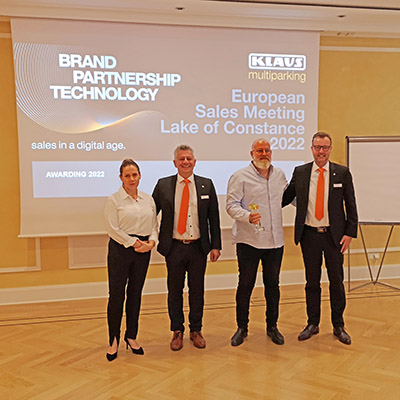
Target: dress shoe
{"x": 275, "y": 335}
{"x": 238, "y": 337}
{"x": 138, "y": 351}
{"x": 198, "y": 340}
{"x": 342, "y": 335}
{"x": 177, "y": 341}
{"x": 308, "y": 331}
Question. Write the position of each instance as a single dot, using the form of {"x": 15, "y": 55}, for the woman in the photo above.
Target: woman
{"x": 131, "y": 223}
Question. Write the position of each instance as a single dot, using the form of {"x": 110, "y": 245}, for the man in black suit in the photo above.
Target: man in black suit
{"x": 189, "y": 230}
{"x": 326, "y": 221}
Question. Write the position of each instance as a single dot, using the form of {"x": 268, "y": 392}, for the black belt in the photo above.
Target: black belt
{"x": 187, "y": 241}
{"x": 142, "y": 238}
{"x": 318, "y": 229}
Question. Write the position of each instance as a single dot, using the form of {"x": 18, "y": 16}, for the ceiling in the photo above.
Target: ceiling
{"x": 379, "y": 18}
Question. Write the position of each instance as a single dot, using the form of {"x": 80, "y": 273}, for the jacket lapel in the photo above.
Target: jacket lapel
{"x": 198, "y": 192}
{"x": 307, "y": 178}
{"x": 332, "y": 175}
{"x": 172, "y": 189}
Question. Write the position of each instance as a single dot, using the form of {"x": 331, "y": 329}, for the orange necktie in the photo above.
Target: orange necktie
{"x": 319, "y": 203}
{"x": 183, "y": 212}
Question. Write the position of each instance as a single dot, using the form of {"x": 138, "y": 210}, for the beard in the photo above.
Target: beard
{"x": 262, "y": 164}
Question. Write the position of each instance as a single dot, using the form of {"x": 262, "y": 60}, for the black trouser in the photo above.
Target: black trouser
{"x": 184, "y": 258}
{"x": 125, "y": 266}
{"x": 248, "y": 259}
{"x": 313, "y": 246}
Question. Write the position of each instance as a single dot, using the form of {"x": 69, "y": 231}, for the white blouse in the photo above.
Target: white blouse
{"x": 126, "y": 216}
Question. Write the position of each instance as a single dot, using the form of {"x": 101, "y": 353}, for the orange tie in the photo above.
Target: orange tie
{"x": 319, "y": 203}
{"x": 183, "y": 212}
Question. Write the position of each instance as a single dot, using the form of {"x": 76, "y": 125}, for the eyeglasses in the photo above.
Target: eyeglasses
{"x": 324, "y": 148}
{"x": 261, "y": 151}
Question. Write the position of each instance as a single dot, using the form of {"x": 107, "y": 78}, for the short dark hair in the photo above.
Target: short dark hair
{"x": 125, "y": 163}
{"x": 322, "y": 135}
{"x": 183, "y": 147}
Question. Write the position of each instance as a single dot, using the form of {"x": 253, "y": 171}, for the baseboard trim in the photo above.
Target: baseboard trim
{"x": 82, "y": 291}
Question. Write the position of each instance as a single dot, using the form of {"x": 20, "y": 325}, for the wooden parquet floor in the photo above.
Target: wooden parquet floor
{"x": 57, "y": 351}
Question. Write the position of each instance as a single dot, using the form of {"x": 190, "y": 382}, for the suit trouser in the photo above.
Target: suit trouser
{"x": 313, "y": 246}
{"x": 248, "y": 259}
{"x": 184, "y": 258}
{"x": 127, "y": 269}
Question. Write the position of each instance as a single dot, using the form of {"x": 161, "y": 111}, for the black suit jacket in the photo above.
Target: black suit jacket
{"x": 342, "y": 209}
{"x": 207, "y": 205}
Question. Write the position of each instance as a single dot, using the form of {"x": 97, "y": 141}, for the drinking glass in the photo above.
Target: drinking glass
{"x": 254, "y": 207}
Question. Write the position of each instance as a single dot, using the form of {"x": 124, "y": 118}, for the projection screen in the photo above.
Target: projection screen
{"x": 90, "y": 94}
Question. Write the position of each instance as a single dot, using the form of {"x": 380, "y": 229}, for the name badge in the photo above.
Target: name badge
{"x": 204, "y": 196}
{"x": 338, "y": 185}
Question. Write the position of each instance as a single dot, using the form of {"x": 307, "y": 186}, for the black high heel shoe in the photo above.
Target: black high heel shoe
{"x": 138, "y": 351}
{"x": 112, "y": 357}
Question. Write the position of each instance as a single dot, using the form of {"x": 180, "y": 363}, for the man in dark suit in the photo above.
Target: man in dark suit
{"x": 326, "y": 221}
{"x": 189, "y": 230}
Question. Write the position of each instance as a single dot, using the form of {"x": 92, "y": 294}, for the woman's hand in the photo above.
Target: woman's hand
{"x": 144, "y": 247}
{"x": 137, "y": 244}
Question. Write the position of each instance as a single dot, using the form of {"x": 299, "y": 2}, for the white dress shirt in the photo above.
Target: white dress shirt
{"x": 248, "y": 186}
{"x": 192, "y": 224}
{"x": 312, "y": 197}
{"x": 126, "y": 216}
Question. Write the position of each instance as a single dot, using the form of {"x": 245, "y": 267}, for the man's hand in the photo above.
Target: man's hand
{"x": 214, "y": 255}
{"x": 345, "y": 242}
{"x": 254, "y": 218}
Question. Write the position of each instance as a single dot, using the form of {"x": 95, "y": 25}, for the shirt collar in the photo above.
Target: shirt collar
{"x": 124, "y": 195}
{"x": 181, "y": 178}
{"x": 325, "y": 167}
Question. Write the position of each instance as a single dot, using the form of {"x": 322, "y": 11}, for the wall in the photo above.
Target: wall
{"x": 359, "y": 94}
